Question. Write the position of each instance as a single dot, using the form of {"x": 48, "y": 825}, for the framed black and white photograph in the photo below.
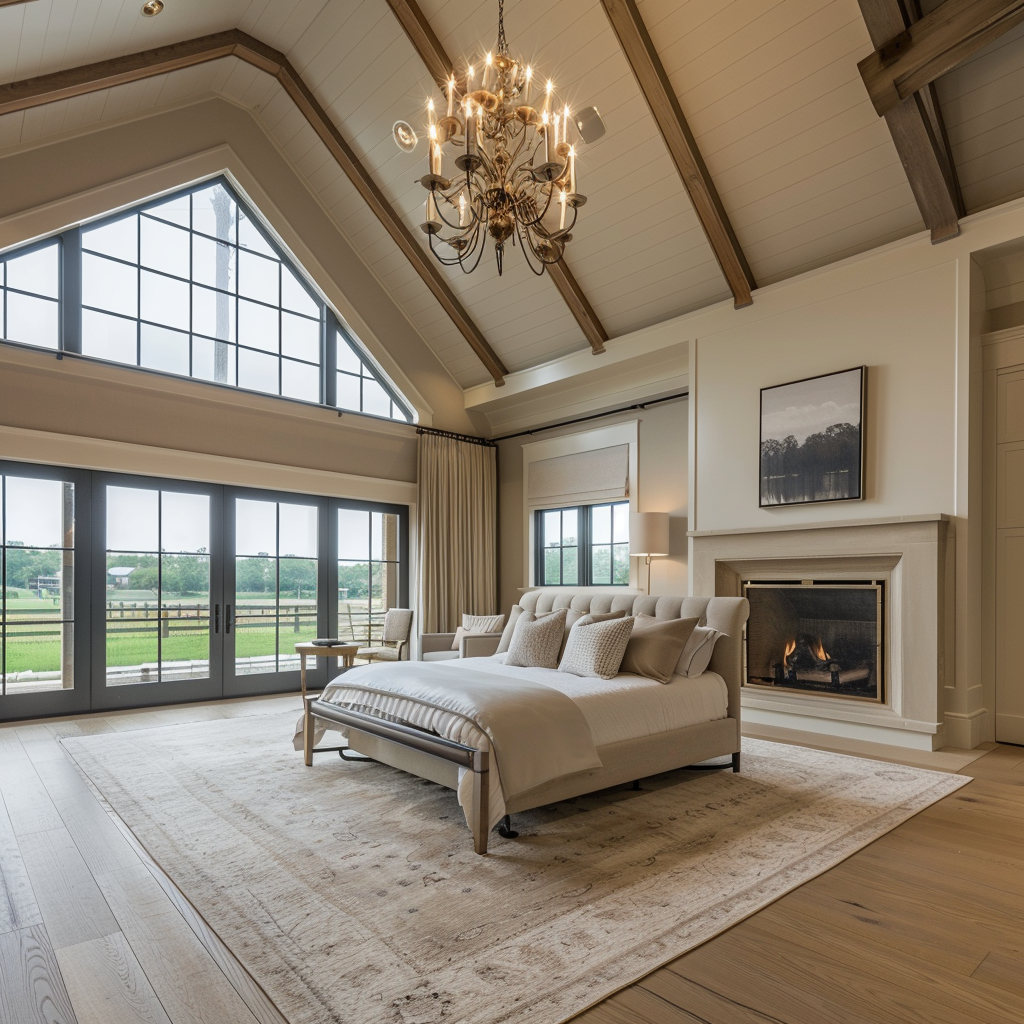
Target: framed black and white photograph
{"x": 812, "y": 440}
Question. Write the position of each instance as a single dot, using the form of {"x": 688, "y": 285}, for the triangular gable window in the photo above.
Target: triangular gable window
{"x": 194, "y": 285}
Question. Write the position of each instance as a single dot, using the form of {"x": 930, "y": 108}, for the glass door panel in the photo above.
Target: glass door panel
{"x": 369, "y": 572}
{"x": 38, "y": 611}
{"x": 276, "y": 590}
{"x": 159, "y": 599}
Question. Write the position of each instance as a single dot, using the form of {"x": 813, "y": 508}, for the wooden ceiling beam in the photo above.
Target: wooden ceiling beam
{"x": 440, "y": 66}
{"x": 33, "y": 92}
{"x": 915, "y": 124}
{"x": 917, "y": 54}
{"x": 661, "y": 98}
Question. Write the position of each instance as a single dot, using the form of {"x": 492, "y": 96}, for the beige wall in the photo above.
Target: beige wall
{"x": 50, "y": 186}
{"x": 662, "y": 479}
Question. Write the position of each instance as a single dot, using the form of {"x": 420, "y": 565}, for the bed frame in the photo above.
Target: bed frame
{"x": 432, "y": 757}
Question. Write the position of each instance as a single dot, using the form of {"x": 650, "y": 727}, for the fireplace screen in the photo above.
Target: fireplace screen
{"x": 820, "y": 637}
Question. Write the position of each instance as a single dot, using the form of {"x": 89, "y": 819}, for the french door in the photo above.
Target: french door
{"x": 159, "y": 587}
{"x": 126, "y": 591}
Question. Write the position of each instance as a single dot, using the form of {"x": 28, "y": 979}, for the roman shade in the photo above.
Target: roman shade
{"x": 584, "y": 478}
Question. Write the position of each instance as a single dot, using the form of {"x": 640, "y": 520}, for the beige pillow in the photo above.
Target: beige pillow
{"x": 596, "y": 648}
{"x": 473, "y": 624}
{"x": 697, "y": 653}
{"x": 536, "y": 640}
{"x": 654, "y": 648}
{"x": 574, "y": 618}
{"x": 506, "y": 635}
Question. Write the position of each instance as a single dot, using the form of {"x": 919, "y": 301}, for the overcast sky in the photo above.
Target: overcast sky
{"x": 810, "y": 406}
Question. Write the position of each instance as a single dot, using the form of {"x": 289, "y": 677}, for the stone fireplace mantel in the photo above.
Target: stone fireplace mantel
{"x": 913, "y": 555}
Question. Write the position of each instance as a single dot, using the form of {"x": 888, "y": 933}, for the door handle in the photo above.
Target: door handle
{"x": 216, "y": 618}
{"x": 227, "y": 618}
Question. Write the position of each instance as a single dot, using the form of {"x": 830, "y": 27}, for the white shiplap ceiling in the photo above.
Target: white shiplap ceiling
{"x": 806, "y": 171}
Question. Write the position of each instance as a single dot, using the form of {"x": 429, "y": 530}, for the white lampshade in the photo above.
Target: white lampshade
{"x": 648, "y": 533}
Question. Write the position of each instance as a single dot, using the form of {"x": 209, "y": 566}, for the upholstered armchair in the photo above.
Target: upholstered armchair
{"x": 394, "y": 637}
{"x": 438, "y": 646}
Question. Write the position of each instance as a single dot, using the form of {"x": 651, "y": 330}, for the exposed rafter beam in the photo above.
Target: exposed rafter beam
{"x": 915, "y": 124}
{"x": 11, "y": 3}
{"x": 440, "y": 66}
{"x": 937, "y": 43}
{"x": 654, "y": 84}
{"x": 34, "y": 92}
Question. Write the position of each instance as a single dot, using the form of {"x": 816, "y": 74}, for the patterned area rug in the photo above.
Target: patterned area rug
{"x": 352, "y": 894}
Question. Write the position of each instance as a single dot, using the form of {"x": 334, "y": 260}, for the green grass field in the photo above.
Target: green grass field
{"x": 42, "y": 654}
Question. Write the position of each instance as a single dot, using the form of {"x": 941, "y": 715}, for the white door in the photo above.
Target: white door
{"x": 1010, "y": 556}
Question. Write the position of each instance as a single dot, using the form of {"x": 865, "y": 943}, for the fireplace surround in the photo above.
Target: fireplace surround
{"x": 912, "y": 558}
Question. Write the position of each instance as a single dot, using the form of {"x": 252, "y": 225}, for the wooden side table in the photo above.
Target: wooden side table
{"x": 347, "y": 653}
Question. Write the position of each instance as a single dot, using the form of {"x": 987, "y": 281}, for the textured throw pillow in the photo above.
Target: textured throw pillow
{"x": 655, "y": 646}
{"x": 697, "y": 653}
{"x": 536, "y": 640}
{"x": 574, "y": 618}
{"x": 596, "y": 648}
{"x": 477, "y": 624}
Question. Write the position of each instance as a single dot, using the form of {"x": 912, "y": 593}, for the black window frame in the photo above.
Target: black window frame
{"x": 584, "y": 547}
{"x": 333, "y": 332}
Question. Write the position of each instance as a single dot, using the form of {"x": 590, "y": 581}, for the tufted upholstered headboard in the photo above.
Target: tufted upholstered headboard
{"x": 727, "y": 614}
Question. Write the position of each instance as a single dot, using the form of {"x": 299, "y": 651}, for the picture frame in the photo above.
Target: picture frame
{"x": 812, "y": 440}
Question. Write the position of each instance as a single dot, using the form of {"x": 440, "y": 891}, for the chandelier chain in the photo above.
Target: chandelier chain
{"x": 502, "y": 42}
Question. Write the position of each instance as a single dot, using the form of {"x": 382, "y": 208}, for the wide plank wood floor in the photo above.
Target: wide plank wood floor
{"x": 924, "y": 926}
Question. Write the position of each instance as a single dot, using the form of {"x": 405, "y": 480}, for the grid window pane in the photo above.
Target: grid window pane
{"x": 257, "y": 371}
{"x": 214, "y": 263}
{"x": 32, "y": 321}
{"x": 258, "y": 326}
{"x": 582, "y": 546}
{"x": 109, "y": 337}
{"x": 300, "y": 380}
{"x": 214, "y": 212}
{"x": 165, "y": 247}
{"x": 349, "y": 392}
{"x": 119, "y": 238}
{"x": 35, "y": 272}
{"x": 213, "y": 313}
{"x": 294, "y": 295}
{"x": 164, "y": 300}
{"x": 37, "y": 579}
{"x": 376, "y": 401}
{"x": 165, "y": 350}
{"x": 250, "y": 236}
{"x": 259, "y": 277}
{"x": 109, "y": 285}
{"x": 213, "y": 361}
{"x": 175, "y": 210}
{"x": 347, "y": 359}
{"x": 300, "y": 337}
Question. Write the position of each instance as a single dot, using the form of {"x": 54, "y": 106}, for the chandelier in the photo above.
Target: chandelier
{"x": 499, "y": 167}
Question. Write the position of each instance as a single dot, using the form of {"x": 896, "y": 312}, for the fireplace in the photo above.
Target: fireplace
{"x": 816, "y": 636}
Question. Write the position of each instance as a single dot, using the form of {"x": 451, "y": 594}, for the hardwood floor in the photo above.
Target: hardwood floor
{"x": 924, "y": 926}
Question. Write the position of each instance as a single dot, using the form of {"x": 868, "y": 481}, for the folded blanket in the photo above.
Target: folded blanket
{"x": 534, "y": 732}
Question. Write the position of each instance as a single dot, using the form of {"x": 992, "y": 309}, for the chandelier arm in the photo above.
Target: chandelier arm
{"x": 528, "y": 247}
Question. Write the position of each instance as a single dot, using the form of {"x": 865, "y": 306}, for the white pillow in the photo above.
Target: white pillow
{"x": 697, "y": 653}
{"x": 473, "y": 624}
{"x": 596, "y": 648}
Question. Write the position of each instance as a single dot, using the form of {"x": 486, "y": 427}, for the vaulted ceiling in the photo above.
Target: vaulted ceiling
{"x": 806, "y": 171}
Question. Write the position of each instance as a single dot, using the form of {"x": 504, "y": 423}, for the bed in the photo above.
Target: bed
{"x": 510, "y": 739}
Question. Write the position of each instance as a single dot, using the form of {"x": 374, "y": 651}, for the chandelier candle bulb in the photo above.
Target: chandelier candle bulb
{"x": 488, "y": 70}
{"x": 463, "y": 219}
{"x": 572, "y": 170}
{"x": 451, "y": 95}
{"x": 547, "y": 96}
{"x": 561, "y": 219}
{"x": 430, "y": 116}
{"x": 526, "y": 86}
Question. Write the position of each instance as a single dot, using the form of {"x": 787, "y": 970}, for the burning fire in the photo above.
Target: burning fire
{"x": 816, "y": 648}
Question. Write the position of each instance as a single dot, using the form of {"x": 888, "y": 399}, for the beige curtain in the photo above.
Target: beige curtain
{"x": 457, "y": 532}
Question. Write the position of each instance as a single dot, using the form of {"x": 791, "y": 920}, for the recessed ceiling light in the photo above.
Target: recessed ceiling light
{"x": 153, "y": 8}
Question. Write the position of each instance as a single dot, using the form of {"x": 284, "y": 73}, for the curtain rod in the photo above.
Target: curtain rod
{"x": 596, "y": 416}
{"x": 467, "y": 438}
